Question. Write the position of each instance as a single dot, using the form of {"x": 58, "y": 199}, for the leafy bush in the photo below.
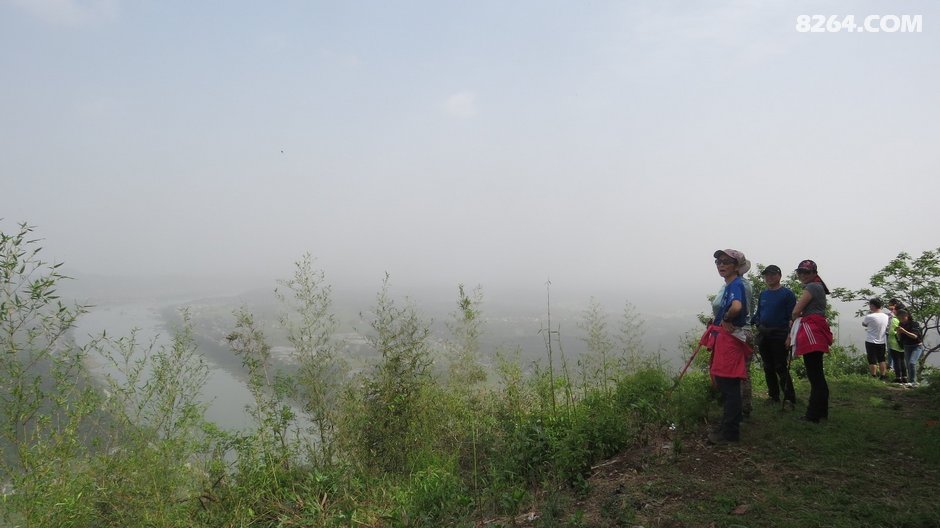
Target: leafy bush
{"x": 125, "y": 451}
{"x": 643, "y": 395}
{"x": 845, "y": 361}
{"x": 320, "y": 374}
{"x": 691, "y": 400}
{"x": 433, "y": 495}
{"x": 840, "y": 361}
{"x": 381, "y": 411}
{"x": 595, "y": 430}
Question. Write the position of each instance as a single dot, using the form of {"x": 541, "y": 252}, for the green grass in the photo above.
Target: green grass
{"x": 876, "y": 462}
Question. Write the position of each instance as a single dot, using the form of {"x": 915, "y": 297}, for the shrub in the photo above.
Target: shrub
{"x": 841, "y": 360}
{"x": 320, "y": 374}
{"x": 691, "y": 400}
{"x": 433, "y": 495}
{"x": 384, "y": 410}
{"x": 643, "y": 396}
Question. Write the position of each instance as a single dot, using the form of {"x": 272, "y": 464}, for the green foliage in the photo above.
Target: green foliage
{"x": 541, "y": 446}
{"x": 841, "y": 361}
{"x": 596, "y": 363}
{"x": 691, "y": 400}
{"x": 155, "y": 390}
{"x": 155, "y": 460}
{"x": 467, "y": 326}
{"x": 644, "y": 395}
{"x": 845, "y": 361}
{"x": 389, "y": 402}
{"x": 150, "y": 485}
{"x": 596, "y": 429}
{"x": 41, "y": 371}
{"x": 271, "y": 446}
{"x": 45, "y": 398}
{"x": 432, "y": 495}
{"x": 913, "y": 281}
{"x": 630, "y": 338}
{"x": 127, "y": 455}
{"x": 320, "y": 374}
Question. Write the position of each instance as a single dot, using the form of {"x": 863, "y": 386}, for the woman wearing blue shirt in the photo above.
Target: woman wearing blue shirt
{"x": 726, "y": 338}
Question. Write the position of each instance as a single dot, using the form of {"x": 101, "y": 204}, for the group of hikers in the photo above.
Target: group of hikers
{"x": 784, "y": 323}
{"x": 786, "y": 327}
{"x": 892, "y": 336}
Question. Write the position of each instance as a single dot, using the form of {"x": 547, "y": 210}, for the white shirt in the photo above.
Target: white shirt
{"x": 876, "y": 326}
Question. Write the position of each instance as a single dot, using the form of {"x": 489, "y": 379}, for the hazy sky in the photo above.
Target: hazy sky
{"x": 611, "y": 146}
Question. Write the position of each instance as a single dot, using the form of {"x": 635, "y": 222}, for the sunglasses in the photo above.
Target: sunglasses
{"x": 725, "y": 261}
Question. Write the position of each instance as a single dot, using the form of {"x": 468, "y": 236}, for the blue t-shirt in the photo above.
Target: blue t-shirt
{"x": 775, "y": 307}
{"x": 734, "y": 291}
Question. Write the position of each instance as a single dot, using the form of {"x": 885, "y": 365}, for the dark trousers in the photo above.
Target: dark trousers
{"x": 897, "y": 361}
{"x": 818, "y": 388}
{"x": 731, "y": 415}
{"x": 774, "y": 355}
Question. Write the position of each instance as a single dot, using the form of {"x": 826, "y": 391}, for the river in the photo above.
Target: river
{"x": 225, "y": 394}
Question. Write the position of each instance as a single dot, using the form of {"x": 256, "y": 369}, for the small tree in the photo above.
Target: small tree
{"x": 159, "y": 446}
{"x": 33, "y": 336}
{"x": 310, "y": 327}
{"x": 596, "y": 363}
{"x": 914, "y": 282}
{"x": 630, "y": 337}
{"x": 393, "y": 391}
{"x": 45, "y": 395}
{"x": 466, "y": 328}
{"x": 270, "y": 390}
{"x": 155, "y": 391}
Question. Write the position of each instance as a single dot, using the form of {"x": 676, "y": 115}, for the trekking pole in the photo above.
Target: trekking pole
{"x": 687, "y": 364}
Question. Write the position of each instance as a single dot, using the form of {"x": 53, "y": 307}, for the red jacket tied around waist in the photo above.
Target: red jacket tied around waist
{"x": 812, "y": 335}
{"x": 729, "y": 354}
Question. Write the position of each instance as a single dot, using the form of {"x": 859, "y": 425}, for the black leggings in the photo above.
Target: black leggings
{"x": 818, "y": 388}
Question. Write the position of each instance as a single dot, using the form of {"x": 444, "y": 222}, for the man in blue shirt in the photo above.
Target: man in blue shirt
{"x": 772, "y": 319}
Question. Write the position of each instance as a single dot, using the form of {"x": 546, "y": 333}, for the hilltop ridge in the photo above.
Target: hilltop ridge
{"x": 875, "y": 463}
